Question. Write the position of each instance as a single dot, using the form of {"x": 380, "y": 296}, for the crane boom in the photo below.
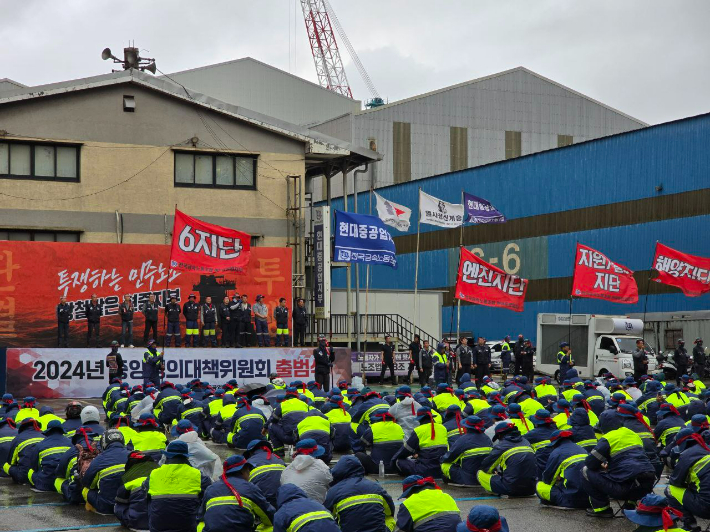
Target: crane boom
{"x": 324, "y": 47}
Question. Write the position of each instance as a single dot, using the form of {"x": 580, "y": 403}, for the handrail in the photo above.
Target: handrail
{"x": 375, "y": 324}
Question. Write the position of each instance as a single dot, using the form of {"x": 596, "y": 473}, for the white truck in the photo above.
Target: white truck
{"x": 599, "y": 344}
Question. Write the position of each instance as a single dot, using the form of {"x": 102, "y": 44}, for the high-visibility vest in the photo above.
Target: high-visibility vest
{"x": 149, "y": 440}
{"x": 266, "y": 468}
{"x": 309, "y": 517}
{"x": 215, "y": 406}
{"x": 365, "y": 418}
{"x": 310, "y": 423}
{"x": 445, "y": 400}
{"x": 366, "y": 498}
{"x": 110, "y": 471}
{"x": 293, "y": 405}
{"x": 569, "y": 394}
{"x": 174, "y": 480}
{"x": 423, "y": 433}
{"x": 386, "y": 432}
{"x": 622, "y": 439}
{"x": 502, "y": 460}
{"x": 336, "y": 416}
{"x": 429, "y": 504}
{"x": 25, "y": 413}
{"x": 542, "y": 390}
{"x": 440, "y": 358}
{"x": 478, "y": 404}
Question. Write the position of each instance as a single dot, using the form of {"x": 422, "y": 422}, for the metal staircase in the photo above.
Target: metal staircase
{"x": 373, "y": 328}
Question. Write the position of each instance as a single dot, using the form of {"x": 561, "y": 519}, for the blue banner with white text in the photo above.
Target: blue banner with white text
{"x": 363, "y": 238}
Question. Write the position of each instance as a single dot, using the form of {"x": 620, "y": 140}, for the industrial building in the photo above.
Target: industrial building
{"x": 618, "y": 194}
{"x": 107, "y": 159}
{"x": 494, "y": 118}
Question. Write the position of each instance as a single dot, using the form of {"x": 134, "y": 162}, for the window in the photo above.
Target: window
{"x": 564, "y": 140}
{"x": 215, "y": 170}
{"x": 402, "y": 151}
{"x": 47, "y": 162}
{"x": 458, "y": 148}
{"x": 672, "y": 337}
{"x": 39, "y": 236}
{"x": 513, "y": 144}
{"x": 254, "y": 240}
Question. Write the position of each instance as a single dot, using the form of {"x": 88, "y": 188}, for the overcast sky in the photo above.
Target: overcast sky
{"x": 647, "y": 58}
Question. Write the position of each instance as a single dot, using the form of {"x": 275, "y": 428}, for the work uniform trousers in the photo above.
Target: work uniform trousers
{"x": 262, "y": 332}
{"x": 388, "y": 363}
{"x": 209, "y": 332}
{"x": 322, "y": 376}
{"x": 481, "y": 371}
{"x": 150, "y": 325}
{"x": 688, "y": 501}
{"x": 173, "y": 332}
{"x": 93, "y": 329}
{"x": 192, "y": 334}
{"x": 127, "y": 333}
{"x": 299, "y": 334}
{"x": 601, "y": 488}
{"x": 410, "y": 370}
{"x": 63, "y": 334}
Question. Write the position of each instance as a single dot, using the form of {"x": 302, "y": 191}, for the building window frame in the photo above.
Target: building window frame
{"x": 34, "y": 232}
{"x": 214, "y": 155}
{"x": 671, "y": 337}
{"x": 513, "y": 144}
{"x": 33, "y": 145}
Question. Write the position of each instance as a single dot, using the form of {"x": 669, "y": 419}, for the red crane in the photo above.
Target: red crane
{"x": 317, "y": 15}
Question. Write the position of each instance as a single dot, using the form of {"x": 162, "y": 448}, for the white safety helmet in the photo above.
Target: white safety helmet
{"x": 90, "y": 413}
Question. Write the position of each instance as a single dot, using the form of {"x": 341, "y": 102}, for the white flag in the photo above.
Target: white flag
{"x": 434, "y": 211}
{"x": 392, "y": 213}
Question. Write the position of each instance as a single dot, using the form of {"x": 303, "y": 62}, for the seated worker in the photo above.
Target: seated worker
{"x": 582, "y": 432}
{"x": 131, "y": 506}
{"x": 299, "y": 513}
{"x": 308, "y": 472}
{"x": 616, "y": 468}
{"x": 149, "y": 439}
{"x": 211, "y": 407}
{"x": 10, "y": 410}
{"x": 114, "y": 385}
{"x": 287, "y": 415}
{"x": 426, "y": 508}
{"x": 563, "y": 409}
{"x": 134, "y": 398}
{"x": 167, "y": 403}
{"x": 193, "y": 411}
{"x": 358, "y": 504}
{"x": 466, "y": 384}
{"x": 234, "y": 503}
{"x": 319, "y": 396}
{"x": 5, "y": 402}
{"x": 674, "y": 396}
{"x": 689, "y": 484}
{"x": 493, "y": 415}
{"x": 452, "y": 423}
{"x": 175, "y": 491}
{"x": 527, "y": 404}
{"x": 405, "y": 410}
{"x": 91, "y": 421}
{"x": 385, "y": 437}
{"x": 569, "y": 390}
{"x": 248, "y": 425}
{"x": 484, "y": 517}
{"x": 122, "y": 423}
{"x": 510, "y": 468}
{"x": 266, "y": 468}
{"x": 72, "y": 413}
{"x": 444, "y": 398}
{"x": 46, "y": 414}
{"x": 201, "y": 458}
{"x": 651, "y": 400}
{"x": 337, "y": 413}
{"x": 475, "y": 404}
{"x": 544, "y": 392}
{"x": 633, "y": 419}
{"x": 654, "y": 513}
{"x": 631, "y": 388}
{"x": 316, "y": 426}
{"x": 669, "y": 423}
{"x": 594, "y": 397}
{"x": 46, "y": 455}
{"x": 539, "y": 438}
{"x": 67, "y": 482}
{"x": 517, "y": 418}
{"x": 365, "y": 404}
{"x": 27, "y": 410}
{"x": 463, "y": 460}
{"x": 19, "y": 459}
{"x": 8, "y": 431}
{"x": 578, "y": 401}
{"x": 223, "y": 423}
{"x": 427, "y": 444}
{"x": 103, "y": 477}
{"x": 561, "y": 483}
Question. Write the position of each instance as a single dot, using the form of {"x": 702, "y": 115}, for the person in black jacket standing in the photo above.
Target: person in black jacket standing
{"x": 208, "y": 317}
{"x": 125, "y": 309}
{"x": 244, "y": 321}
{"x": 281, "y": 319}
{"x": 225, "y": 322}
{"x": 481, "y": 357}
{"x": 464, "y": 356}
{"x": 173, "y": 311}
{"x": 94, "y": 310}
{"x": 235, "y": 318}
{"x": 517, "y": 353}
{"x": 191, "y": 310}
{"x": 681, "y": 359}
{"x": 324, "y": 357}
{"x": 150, "y": 312}
{"x": 699, "y": 358}
{"x": 300, "y": 322}
{"x": 64, "y": 313}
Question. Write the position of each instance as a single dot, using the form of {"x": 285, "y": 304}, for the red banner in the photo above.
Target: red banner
{"x": 597, "y": 277}
{"x": 207, "y": 248}
{"x": 484, "y": 284}
{"x": 34, "y": 275}
{"x": 688, "y": 272}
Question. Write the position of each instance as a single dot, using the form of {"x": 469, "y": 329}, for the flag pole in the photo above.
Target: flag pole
{"x": 367, "y": 308}
{"x": 645, "y": 301}
{"x": 458, "y": 304}
{"x": 416, "y": 264}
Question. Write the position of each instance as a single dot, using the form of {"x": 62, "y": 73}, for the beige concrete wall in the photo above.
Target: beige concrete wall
{"x": 127, "y": 164}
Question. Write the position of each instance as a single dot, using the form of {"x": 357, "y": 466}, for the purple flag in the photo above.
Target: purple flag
{"x": 480, "y": 211}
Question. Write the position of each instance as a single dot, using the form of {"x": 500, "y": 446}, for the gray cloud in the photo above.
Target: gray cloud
{"x": 644, "y": 57}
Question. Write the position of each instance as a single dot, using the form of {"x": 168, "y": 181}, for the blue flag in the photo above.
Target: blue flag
{"x": 363, "y": 238}
{"x": 480, "y": 211}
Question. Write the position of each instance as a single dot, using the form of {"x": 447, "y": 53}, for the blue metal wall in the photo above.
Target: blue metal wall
{"x": 614, "y": 169}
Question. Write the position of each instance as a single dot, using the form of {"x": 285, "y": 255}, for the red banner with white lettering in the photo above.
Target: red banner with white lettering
{"x": 688, "y": 272}
{"x": 484, "y": 284}
{"x": 597, "y": 277}
{"x": 207, "y": 248}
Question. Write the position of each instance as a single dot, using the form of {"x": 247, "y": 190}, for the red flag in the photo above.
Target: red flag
{"x": 484, "y": 284}
{"x": 597, "y": 277}
{"x": 689, "y": 273}
{"x": 202, "y": 247}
